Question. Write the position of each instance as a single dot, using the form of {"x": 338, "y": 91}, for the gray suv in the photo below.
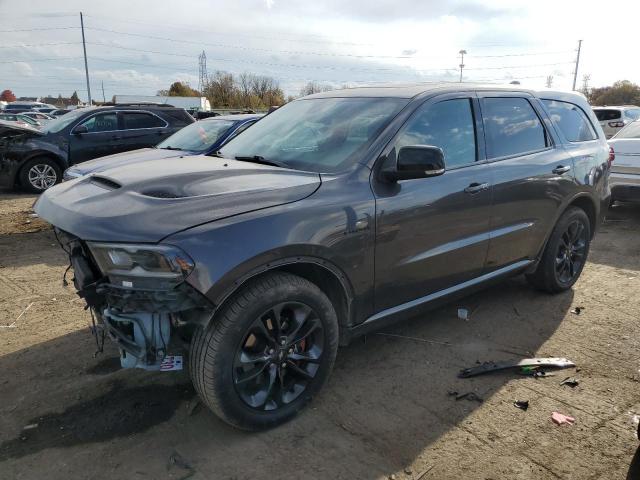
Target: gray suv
{"x": 333, "y": 216}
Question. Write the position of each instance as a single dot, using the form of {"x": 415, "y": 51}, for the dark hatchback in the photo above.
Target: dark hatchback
{"x": 36, "y": 160}
{"x": 204, "y": 137}
{"x": 335, "y": 215}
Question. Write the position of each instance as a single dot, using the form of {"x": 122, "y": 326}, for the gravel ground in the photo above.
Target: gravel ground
{"x": 386, "y": 412}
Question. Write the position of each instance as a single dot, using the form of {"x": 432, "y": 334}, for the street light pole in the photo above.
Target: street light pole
{"x": 462, "y": 54}
{"x": 575, "y": 72}
{"x": 86, "y": 66}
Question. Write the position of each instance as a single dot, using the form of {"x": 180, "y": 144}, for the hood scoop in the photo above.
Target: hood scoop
{"x": 105, "y": 183}
{"x": 162, "y": 194}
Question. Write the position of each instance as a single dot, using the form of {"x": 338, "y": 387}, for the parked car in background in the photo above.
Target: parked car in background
{"x": 205, "y": 137}
{"x": 46, "y": 110}
{"x": 335, "y": 215}
{"x": 19, "y": 107}
{"x": 58, "y": 112}
{"x": 612, "y": 118}
{"x": 37, "y": 159}
{"x": 625, "y": 171}
{"x": 40, "y": 117}
{"x": 20, "y": 118}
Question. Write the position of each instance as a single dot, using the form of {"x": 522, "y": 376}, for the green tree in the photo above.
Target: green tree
{"x": 622, "y": 92}
{"x": 75, "y": 100}
{"x": 179, "y": 89}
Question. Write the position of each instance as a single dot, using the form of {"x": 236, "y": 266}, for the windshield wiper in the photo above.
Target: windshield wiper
{"x": 261, "y": 160}
{"x": 169, "y": 147}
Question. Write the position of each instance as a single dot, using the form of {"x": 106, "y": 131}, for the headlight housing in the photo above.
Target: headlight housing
{"x": 139, "y": 266}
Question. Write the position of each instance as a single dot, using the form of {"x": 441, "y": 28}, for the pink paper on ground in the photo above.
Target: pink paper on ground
{"x": 561, "y": 418}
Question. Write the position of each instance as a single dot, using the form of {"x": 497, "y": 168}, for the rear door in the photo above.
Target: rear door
{"x": 140, "y": 130}
{"x": 98, "y": 141}
{"x": 432, "y": 233}
{"x": 532, "y": 176}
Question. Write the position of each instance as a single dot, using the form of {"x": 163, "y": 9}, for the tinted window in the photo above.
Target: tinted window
{"x": 448, "y": 125}
{"x": 104, "y": 122}
{"x": 178, "y": 117}
{"x": 604, "y": 115}
{"x": 571, "y": 120}
{"x": 633, "y": 114}
{"x": 317, "y": 134}
{"x": 511, "y": 127}
{"x": 133, "y": 120}
{"x": 630, "y": 131}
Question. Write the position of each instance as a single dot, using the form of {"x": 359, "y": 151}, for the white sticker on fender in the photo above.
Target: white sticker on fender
{"x": 171, "y": 362}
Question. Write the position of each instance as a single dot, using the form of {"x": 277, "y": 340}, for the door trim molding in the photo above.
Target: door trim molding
{"x": 447, "y": 291}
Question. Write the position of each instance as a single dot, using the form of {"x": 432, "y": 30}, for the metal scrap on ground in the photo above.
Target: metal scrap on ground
{"x": 487, "y": 367}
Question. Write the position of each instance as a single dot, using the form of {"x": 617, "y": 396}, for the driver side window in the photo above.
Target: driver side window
{"x": 104, "y": 122}
{"x": 449, "y": 125}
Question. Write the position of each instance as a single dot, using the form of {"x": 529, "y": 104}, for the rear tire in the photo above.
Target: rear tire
{"x": 565, "y": 253}
{"x": 266, "y": 353}
{"x": 39, "y": 174}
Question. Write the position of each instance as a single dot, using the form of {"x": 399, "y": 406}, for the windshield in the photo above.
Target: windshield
{"x": 630, "y": 131}
{"x": 197, "y": 137}
{"x": 54, "y": 126}
{"x": 319, "y": 134}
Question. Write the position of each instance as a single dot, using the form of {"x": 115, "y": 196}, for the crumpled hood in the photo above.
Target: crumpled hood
{"x": 118, "y": 159}
{"x": 7, "y": 127}
{"x": 145, "y": 202}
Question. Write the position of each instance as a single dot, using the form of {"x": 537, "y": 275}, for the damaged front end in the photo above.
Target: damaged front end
{"x": 138, "y": 296}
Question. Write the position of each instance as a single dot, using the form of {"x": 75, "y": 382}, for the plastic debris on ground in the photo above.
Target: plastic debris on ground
{"x": 487, "y": 367}
{"x": 571, "y": 382}
{"x": 562, "y": 419}
{"x": 522, "y": 404}
{"x": 577, "y": 310}
{"x": 463, "y": 314}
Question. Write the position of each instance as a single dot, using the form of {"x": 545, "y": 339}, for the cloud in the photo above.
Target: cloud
{"x": 23, "y": 68}
{"x": 269, "y": 3}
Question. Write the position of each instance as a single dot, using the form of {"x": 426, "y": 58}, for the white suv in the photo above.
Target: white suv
{"x": 612, "y": 119}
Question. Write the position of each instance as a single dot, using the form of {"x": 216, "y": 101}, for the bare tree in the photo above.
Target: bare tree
{"x": 315, "y": 87}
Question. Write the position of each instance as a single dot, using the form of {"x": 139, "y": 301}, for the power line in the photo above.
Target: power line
{"x": 241, "y": 47}
{"x": 521, "y": 54}
{"x": 40, "y": 44}
{"x": 37, "y": 29}
{"x": 520, "y": 66}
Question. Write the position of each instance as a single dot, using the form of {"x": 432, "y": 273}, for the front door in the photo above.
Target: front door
{"x": 432, "y": 233}
{"x": 97, "y": 141}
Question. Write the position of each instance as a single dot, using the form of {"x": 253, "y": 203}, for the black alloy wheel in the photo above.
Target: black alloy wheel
{"x": 278, "y": 356}
{"x": 267, "y": 352}
{"x": 571, "y": 252}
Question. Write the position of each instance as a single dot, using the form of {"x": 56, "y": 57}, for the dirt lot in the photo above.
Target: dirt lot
{"x": 385, "y": 413}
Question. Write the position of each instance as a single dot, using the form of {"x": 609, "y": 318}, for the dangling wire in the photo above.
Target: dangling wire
{"x": 98, "y": 336}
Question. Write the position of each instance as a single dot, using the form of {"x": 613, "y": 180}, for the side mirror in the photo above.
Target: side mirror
{"x": 417, "y": 161}
{"x": 80, "y": 129}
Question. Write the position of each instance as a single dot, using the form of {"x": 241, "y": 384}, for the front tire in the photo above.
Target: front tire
{"x": 39, "y": 174}
{"x": 565, "y": 253}
{"x": 266, "y": 353}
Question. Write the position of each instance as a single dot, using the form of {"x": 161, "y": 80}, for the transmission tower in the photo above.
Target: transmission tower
{"x": 585, "y": 84}
{"x": 202, "y": 73}
{"x": 549, "y": 82}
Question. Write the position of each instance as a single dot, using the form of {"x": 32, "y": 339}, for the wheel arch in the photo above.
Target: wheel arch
{"x": 324, "y": 274}
{"x": 588, "y": 205}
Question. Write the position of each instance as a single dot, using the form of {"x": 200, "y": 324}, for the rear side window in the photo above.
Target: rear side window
{"x": 448, "y": 125}
{"x": 511, "y": 127}
{"x": 178, "y": 117}
{"x": 104, "y": 122}
{"x": 133, "y": 120}
{"x": 571, "y": 121}
{"x": 604, "y": 115}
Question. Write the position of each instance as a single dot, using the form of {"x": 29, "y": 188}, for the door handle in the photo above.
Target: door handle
{"x": 476, "y": 187}
{"x": 560, "y": 169}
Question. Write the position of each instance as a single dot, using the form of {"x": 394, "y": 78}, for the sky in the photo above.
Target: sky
{"x": 139, "y": 47}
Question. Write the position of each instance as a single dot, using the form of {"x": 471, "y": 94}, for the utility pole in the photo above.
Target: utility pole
{"x": 575, "y": 73}
{"x": 462, "y": 54}
{"x": 86, "y": 66}
{"x": 103, "y": 99}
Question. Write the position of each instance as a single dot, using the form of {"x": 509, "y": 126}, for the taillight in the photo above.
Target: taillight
{"x": 612, "y": 155}
{"x": 616, "y": 124}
